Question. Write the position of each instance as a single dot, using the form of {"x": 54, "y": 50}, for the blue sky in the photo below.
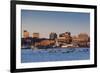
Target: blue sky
{"x": 45, "y": 22}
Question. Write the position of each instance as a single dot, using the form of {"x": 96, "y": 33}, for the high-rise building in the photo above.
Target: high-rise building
{"x": 25, "y": 34}
{"x": 35, "y": 35}
{"x": 53, "y": 36}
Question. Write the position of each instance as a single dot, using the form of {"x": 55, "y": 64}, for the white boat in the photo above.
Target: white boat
{"x": 67, "y": 46}
{"x": 33, "y": 47}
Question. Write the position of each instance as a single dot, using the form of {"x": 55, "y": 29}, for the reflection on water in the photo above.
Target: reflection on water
{"x": 57, "y": 54}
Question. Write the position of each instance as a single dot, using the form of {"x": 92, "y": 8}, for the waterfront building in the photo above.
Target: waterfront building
{"x": 83, "y": 36}
{"x": 35, "y": 35}
{"x": 44, "y": 43}
{"x": 65, "y": 38}
{"x": 83, "y": 40}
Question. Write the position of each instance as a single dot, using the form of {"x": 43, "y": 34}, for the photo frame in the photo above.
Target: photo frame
{"x": 63, "y": 21}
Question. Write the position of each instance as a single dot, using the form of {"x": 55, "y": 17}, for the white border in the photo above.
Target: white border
{"x": 20, "y": 65}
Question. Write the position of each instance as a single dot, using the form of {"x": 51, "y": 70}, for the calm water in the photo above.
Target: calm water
{"x": 57, "y": 54}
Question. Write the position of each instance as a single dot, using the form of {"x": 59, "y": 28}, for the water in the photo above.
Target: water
{"x": 55, "y": 54}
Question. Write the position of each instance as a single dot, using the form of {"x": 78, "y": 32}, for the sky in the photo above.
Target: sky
{"x": 44, "y": 22}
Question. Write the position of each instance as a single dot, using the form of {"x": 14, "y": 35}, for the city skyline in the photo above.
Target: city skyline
{"x": 27, "y": 34}
{"x": 45, "y": 22}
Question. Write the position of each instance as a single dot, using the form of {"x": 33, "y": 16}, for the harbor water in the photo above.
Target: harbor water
{"x": 54, "y": 54}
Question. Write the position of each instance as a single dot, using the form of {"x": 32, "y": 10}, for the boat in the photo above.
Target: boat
{"x": 26, "y": 47}
{"x": 68, "y": 46}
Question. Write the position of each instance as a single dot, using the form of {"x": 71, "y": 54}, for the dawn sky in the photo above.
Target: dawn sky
{"x": 45, "y": 22}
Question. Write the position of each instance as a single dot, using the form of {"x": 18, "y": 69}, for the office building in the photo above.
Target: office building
{"x": 35, "y": 35}
{"x": 25, "y": 34}
{"x": 53, "y": 36}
